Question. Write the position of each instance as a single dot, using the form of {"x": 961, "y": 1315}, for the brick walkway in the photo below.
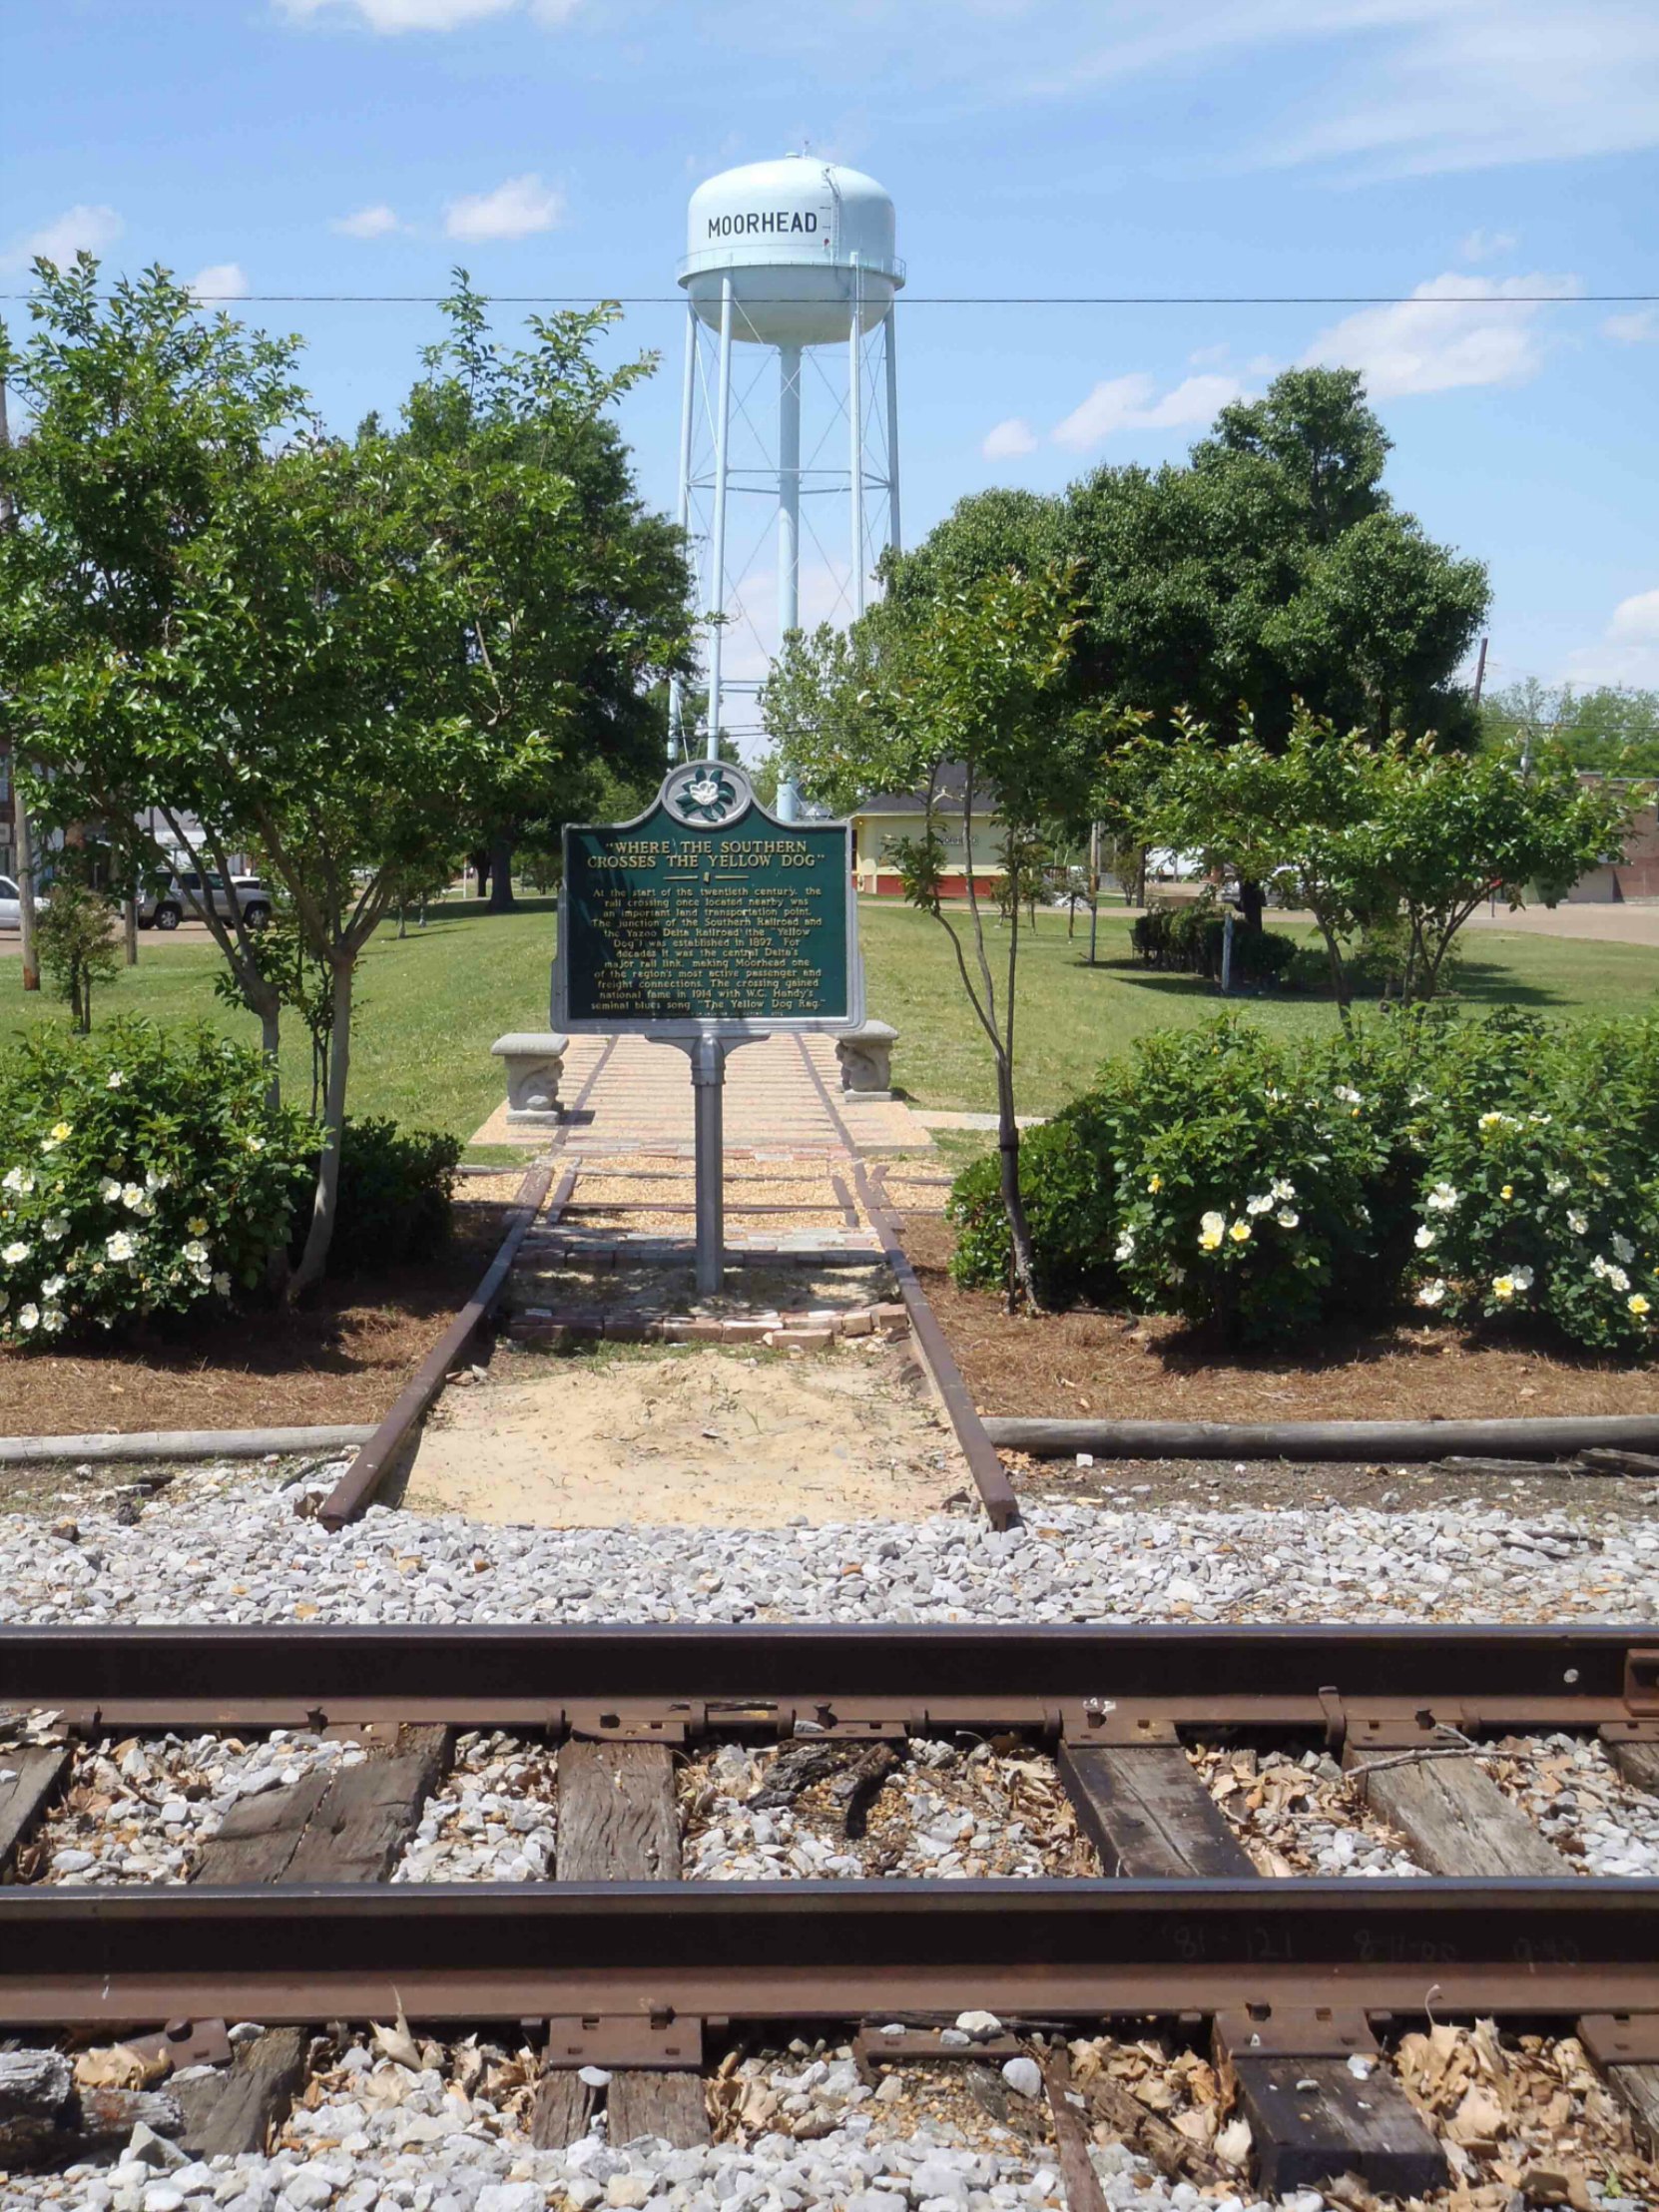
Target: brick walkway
{"x": 782, "y": 1095}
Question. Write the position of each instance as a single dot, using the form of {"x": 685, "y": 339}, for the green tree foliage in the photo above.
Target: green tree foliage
{"x": 75, "y": 934}
{"x": 575, "y": 598}
{"x": 1611, "y": 729}
{"x": 972, "y": 677}
{"x": 1272, "y": 569}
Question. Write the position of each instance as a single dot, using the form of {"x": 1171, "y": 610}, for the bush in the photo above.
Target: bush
{"x": 1190, "y": 938}
{"x": 395, "y": 1196}
{"x": 141, "y": 1173}
{"x": 1483, "y": 1170}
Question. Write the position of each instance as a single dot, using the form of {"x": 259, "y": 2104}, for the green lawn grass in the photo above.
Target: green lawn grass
{"x": 431, "y": 1006}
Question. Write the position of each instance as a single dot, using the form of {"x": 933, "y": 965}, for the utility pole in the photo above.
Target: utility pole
{"x": 20, "y": 806}
{"x": 1481, "y": 671}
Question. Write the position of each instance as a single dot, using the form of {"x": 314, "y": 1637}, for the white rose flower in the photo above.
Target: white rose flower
{"x": 1523, "y": 1277}
{"x": 1282, "y": 1189}
{"x": 18, "y": 1180}
{"x": 194, "y": 1252}
{"x": 114, "y": 1080}
{"x": 1430, "y": 1294}
{"x": 108, "y": 1190}
{"x": 1211, "y": 1227}
{"x": 1347, "y": 1095}
{"x": 53, "y": 1286}
{"x": 131, "y": 1196}
{"x": 222, "y": 1284}
{"x": 28, "y": 1317}
{"x": 1577, "y": 1224}
{"x": 1287, "y": 1217}
{"x": 1443, "y": 1199}
{"x": 1558, "y": 1186}
{"x": 1623, "y": 1249}
{"x": 1261, "y": 1204}
{"x": 55, "y": 1228}
{"x": 1619, "y": 1279}
{"x": 15, "y": 1253}
{"x": 1126, "y": 1244}
{"x": 120, "y": 1246}
{"x": 1424, "y": 1237}
{"x": 52, "y": 1320}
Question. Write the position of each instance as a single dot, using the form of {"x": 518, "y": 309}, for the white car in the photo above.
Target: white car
{"x": 11, "y": 910}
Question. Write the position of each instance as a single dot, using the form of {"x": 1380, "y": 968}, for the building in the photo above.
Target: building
{"x": 880, "y": 821}
{"x": 1636, "y": 876}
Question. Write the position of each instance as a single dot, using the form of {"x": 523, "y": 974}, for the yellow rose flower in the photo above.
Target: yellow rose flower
{"x": 1240, "y": 1232}
{"x": 1638, "y": 1304}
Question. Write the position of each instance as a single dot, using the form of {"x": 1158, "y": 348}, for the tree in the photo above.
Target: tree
{"x": 576, "y": 598}
{"x": 76, "y": 948}
{"x": 1307, "y": 815}
{"x": 1456, "y": 829}
{"x": 973, "y": 678}
{"x": 1611, "y": 729}
{"x": 143, "y": 418}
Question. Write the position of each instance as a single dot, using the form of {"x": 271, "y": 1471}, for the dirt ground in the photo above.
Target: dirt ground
{"x": 341, "y": 1360}
{"x": 1121, "y": 1367}
{"x": 699, "y": 1435}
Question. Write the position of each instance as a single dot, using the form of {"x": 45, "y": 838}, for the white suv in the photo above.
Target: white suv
{"x": 182, "y": 896}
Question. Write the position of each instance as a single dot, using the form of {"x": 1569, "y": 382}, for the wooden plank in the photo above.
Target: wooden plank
{"x": 1638, "y": 2087}
{"x": 1312, "y": 2120}
{"x": 1148, "y": 1814}
{"x": 561, "y": 2106}
{"x": 1071, "y": 2142}
{"x": 36, "y": 1773}
{"x": 232, "y": 2113}
{"x": 1637, "y": 1763}
{"x": 1455, "y": 1818}
{"x": 258, "y": 1835}
{"x": 370, "y": 1811}
{"x": 618, "y": 1822}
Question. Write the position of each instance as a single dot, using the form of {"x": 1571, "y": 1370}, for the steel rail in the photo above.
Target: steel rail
{"x": 355, "y": 1491}
{"x": 773, "y": 1679}
{"x": 825, "y": 1950}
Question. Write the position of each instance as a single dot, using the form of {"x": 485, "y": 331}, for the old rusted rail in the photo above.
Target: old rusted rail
{"x": 668, "y": 1682}
{"x": 807, "y": 1949}
{"x": 356, "y": 1486}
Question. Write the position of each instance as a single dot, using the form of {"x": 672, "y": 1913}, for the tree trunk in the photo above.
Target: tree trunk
{"x": 1252, "y": 902}
{"x": 501, "y": 875}
{"x": 1013, "y": 1199}
{"x": 129, "y": 927}
{"x": 30, "y": 959}
{"x": 315, "y": 1258}
{"x": 480, "y": 865}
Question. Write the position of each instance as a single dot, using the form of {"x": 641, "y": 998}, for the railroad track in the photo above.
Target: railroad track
{"x": 282, "y": 1911}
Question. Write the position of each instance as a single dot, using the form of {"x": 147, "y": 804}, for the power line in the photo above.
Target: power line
{"x": 943, "y": 300}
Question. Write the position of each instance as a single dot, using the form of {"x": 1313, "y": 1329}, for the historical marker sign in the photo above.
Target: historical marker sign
{"x": 707, "y": 917}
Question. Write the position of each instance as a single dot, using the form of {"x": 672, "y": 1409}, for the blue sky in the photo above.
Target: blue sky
{"x": 1496, "y": 146}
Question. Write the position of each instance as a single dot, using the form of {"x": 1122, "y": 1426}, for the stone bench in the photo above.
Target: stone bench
{"x": 866, "y": 1056}
{"x": 535, "y": 1061}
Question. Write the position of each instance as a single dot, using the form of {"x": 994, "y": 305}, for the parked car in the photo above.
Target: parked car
{"x": 182, "y": 896}
{"x": 11, "y": 910}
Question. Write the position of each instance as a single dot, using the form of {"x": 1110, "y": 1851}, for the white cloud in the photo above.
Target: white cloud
{"x": 394, "y": 16}
{"x": 1628, "y": 651}
{"x": 390, "y": 17}
{"x": 1417, "y": 346}
{"x": 1487, "y": 245}
{"x": 1130, "y": 403}
{"x": 93, "y": 228}
{"x": 1640, "y": 328}
{"x": 1007, "y": 441}
{"x": 375, "y": 222}
{"x": 220, "y": 281}
{"x": 516, "y": 210}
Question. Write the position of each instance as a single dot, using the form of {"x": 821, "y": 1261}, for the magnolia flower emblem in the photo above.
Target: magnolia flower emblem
{"x": 707, "y": 793}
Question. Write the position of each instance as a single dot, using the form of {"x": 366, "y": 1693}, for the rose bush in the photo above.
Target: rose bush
{"x": 141, "y": 1173}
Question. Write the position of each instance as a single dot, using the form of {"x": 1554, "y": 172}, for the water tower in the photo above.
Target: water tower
{"x": 787, "y": 260}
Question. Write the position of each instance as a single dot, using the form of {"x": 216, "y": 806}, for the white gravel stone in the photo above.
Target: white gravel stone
{"x": 494, "y": 1820}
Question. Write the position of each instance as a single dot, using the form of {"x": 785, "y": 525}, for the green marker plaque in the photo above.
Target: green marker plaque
{"x": 707, "y": 917}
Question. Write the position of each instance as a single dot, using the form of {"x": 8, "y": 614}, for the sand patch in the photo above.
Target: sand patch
{"x": 707, "y": 1436}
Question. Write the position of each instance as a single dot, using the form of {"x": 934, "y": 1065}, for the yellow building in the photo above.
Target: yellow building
{"x": 879, "y": 822}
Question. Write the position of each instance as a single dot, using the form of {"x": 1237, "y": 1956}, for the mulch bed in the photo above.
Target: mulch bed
{"x": 342, "y": 1359}
{"x": 1121, "y": 1367}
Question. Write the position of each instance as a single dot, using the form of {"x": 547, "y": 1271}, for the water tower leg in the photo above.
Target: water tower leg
{"x": 723, "y": 420}
{"x": 678, "y": 749}
{"x": 855, "y": 414}
{"x": 890, "y": 359}
{"x": 789, "y": 490}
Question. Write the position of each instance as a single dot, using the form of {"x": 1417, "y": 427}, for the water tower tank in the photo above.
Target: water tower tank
{"x": 797, "y": 236}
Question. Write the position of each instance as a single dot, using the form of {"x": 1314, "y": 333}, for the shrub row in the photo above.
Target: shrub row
{"x": 1190, "y": 936}
{"x": 1472, "y": 1169}
{"x": 143, "y": 1174}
